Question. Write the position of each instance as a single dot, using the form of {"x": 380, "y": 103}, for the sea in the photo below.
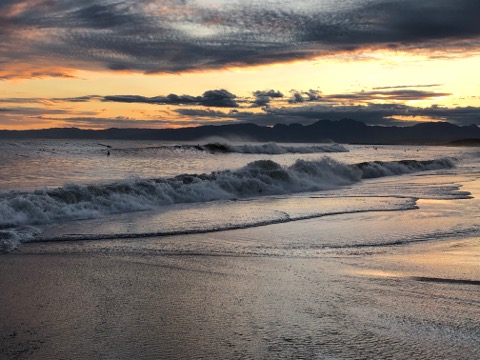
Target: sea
{"x": 238, "y": 250}
{"x": 89, "y": 190}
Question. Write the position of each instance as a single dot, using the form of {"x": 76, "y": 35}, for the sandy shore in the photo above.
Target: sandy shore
{"x": 419, "y": 301}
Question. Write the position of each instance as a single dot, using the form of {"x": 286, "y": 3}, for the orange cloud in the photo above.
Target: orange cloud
{"x": 20, "y": 71}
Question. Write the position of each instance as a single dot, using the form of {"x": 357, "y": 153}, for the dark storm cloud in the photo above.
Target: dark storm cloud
{"x": 213, "y": 98}
{"x": 176, "y": 36}
{"x": 100, "y": 16}
{"x": 397, "y": 23}
{"x": 413, "y": 21}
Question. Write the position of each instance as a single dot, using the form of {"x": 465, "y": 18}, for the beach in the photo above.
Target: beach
{"x": 135, "y": 299}
{"x": 173, "y": 252}
{"x": 90, "y": 306}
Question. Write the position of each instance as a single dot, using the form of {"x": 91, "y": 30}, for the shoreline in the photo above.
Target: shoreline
{"x": 93, "y": 305}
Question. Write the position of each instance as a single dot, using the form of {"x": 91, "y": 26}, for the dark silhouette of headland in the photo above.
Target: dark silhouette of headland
{"x": 345, "y": 131}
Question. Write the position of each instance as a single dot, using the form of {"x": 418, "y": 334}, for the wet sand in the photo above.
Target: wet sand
{"x": 65, "y": 301}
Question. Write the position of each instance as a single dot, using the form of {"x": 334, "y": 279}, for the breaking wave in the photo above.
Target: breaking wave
{"x": 259, "y": 178}
{"x": 374, "y": 169}
{"x": 225, "y": 148}
{"x": 271, "y": 148}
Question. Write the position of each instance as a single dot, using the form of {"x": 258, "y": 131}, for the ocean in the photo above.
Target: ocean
{"x": 54, "y": 189}
{"x": 315, "y": 207}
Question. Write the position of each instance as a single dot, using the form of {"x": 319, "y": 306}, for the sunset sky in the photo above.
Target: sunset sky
{"x": 156, "y": 64}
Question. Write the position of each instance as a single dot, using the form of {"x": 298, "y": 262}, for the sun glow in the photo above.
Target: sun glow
{"x": 339, "y": 79}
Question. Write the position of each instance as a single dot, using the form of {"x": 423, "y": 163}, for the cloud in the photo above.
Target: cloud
{"x": 31, "y": 111}
{"x": 203, "y": 113}
{"x": 225, "y": 99}
{"x": 119, "y": 122}
{"x": 296, "y": 97}
{"x": 384, "y": 106}
{"x": 405, "y": 86}
{"x": 213, "y": 98}
{"x": 87, "y": 122}
{"x": 390, "y": 114}
{"x": 78, "y": 99}
{"x": 380, "y": 114}
{"x": 156, "y": 100}
{"x": 218, "y": 98}
{"x": 102, "y": 16}
{"x": 306, "y": 113}
{"x": 459, "y": 115}
{"x": 398, "y": 95}
{"x": 263, "y": 97}
{"x": 397, "y": 23}
{"x": 268, "y": 93}
{"x": 303, "y": 96}
{"x": 53, "y": 38}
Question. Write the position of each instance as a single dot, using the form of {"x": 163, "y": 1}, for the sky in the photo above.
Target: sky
{"x": 169, "y": 64}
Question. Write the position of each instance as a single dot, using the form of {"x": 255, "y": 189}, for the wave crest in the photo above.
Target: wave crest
{"x": 259, "y": 178}
{"x": 374, "y": 169}
{"x": 271, "y": 148}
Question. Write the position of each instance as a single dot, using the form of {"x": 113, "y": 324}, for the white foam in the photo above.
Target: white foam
{"x": 273, "y": 148}
{"x": 259, "y": 178}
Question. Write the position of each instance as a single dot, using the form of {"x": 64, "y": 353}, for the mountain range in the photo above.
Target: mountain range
{"x": 341, "y": 131}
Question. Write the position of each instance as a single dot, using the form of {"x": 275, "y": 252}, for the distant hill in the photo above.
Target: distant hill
{"x": 342, "y": 131}
{"x": 465, "y": 142}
